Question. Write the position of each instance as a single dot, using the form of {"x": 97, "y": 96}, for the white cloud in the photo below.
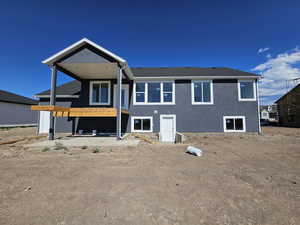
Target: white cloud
{"x": 276, "y": 71}
{"x": 261, "y": 50}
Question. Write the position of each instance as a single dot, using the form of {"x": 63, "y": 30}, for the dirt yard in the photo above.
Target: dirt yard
{"x": 240, "y": 179}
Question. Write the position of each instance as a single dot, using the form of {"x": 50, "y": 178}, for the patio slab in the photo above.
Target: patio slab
{"x": 86, "y": 141}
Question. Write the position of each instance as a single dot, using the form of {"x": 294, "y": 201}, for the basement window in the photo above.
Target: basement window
{"x": 234, "y": 124}
{"x": 141, "y": 124}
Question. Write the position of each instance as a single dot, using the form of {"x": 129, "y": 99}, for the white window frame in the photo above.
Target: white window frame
{"x": 141, "y": 117}
{"x": 234, "y": 117}
{"x": 161, "y": 93}
{"x": 91, "y": 92}
{"x": 211, "y": 93}
{"x": 254, "y": 91}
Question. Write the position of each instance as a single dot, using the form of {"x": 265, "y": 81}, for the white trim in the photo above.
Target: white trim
{"x": 234, "y": 117}
{"x": 19, "y": 125}
{"x": 77, "y": 45}
{"x": 161, "y": 93}
{"x": 141, "y": 117}
{"x": 91, "y": 92}
{"x": 195, "y": 77}
{"x": 254, "y": 91}
{"x": 57, "y": 96}
{"x": 211, "y": 93}
{"x": 160, "y": 121}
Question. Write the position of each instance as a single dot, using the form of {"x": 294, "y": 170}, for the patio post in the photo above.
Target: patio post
{"x": 52, "y": 101}
{"x": 119, "y": 103}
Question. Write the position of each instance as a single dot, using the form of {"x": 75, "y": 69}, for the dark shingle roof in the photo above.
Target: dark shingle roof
{"x": 6, "y": 96}
{"x": 188, "y": 71}
{"x": 70, "y": 88}
{"x": 290, "y": 91}
{"x": 73, "y": 87}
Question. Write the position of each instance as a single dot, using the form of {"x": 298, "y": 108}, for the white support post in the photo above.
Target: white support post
{"x": 52, "y": 101}
{"x": 119, "y": 105}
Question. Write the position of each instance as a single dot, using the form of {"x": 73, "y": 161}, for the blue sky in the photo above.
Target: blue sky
{"x": 153, "y": 33}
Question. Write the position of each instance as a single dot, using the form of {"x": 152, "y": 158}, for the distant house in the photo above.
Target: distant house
{"x": 289, "y": 108}
{"x": 269, "y": 113}
{"x": 15, "y": 110}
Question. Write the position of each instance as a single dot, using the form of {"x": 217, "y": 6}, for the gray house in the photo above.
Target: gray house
{"x": 107, "y": 96}
{"x": 15, "y": 110}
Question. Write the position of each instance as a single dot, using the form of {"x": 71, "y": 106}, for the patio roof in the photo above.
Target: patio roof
{"x": 87, "y": 60}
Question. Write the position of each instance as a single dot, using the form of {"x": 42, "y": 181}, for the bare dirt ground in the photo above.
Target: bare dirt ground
{"x": 240, "y": 179}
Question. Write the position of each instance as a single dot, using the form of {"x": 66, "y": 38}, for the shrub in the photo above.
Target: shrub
{"x": 59, "y": 146}
{"x": 45, "y": 149}
{"x": 96, "y": 150}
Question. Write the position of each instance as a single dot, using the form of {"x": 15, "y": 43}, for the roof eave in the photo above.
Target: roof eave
{"x": 49, "y": 61}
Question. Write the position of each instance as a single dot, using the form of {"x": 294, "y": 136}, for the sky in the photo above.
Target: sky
{"x": 262, "y": 37}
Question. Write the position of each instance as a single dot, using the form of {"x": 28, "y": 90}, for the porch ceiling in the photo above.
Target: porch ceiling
{"x": 91, "y": 70}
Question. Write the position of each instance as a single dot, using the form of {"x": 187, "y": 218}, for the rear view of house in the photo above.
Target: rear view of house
{"x": 107, "y": 96}
{"x": 15, "y": 110}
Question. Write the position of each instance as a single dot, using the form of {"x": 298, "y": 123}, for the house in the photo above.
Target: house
{"x": 15, "y": 110}
{"x": 108, "y": 96}
{"x": 289, "y": 108}
{"x": 269, "y": 113}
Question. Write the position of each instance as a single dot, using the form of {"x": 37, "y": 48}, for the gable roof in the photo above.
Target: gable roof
{"x": 73, "y": 87}
{"x": 190, "y": 72}
{"x": 49, "y": 61}
{"x": 6, "y": 96}
{"x": 290, "y": 91}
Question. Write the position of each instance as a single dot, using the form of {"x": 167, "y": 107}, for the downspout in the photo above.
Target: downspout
{"x": 258, "y": 107}
{"x": 119, "y": 102}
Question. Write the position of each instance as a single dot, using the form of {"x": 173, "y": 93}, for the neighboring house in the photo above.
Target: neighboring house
{"x": 15, "y": 110}
{"x": 160, "y": 100}
{"x": 269, "y": 113}
{"x": 289, "y": 108}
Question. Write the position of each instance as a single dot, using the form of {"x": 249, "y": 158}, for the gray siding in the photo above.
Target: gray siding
{"x": 202, "y": 118}
{"x": 189, "y": 118}
{"x": 17, "y": 114}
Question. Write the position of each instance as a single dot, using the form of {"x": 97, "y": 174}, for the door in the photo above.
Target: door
{"x": 167, "y": 128}
{"x": 44, "y": 122}
{"x": 124, "y": 97}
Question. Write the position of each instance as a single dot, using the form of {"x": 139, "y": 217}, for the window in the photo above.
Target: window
{"x": 202, "y": 92}
{"x": 99, "y": 93}
{"x": 154, "y": 93}
{"x": 141, "y": 124}
{"x": 234, "y": 124}
{"x": 167, "y": 91}
{"x": 246, "y": 90}
{"x": 140, "y": 92}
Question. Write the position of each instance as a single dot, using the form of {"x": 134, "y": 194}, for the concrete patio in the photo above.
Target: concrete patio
{"x": 86, "y": 141}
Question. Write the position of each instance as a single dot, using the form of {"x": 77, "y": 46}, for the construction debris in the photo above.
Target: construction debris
{"x": 21, "y": 139}
{"x": 143, "y": 138}
{"x": 194, "y": 151}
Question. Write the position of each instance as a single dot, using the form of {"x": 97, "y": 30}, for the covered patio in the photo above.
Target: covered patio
{"x": 85, "y": 60}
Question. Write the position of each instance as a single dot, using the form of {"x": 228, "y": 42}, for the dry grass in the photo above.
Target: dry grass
{"x": 240, "y": 179}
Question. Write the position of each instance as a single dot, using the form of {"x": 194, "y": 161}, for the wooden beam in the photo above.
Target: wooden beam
{"x": 59, "y": 111}
{"x": 48, "y": 108}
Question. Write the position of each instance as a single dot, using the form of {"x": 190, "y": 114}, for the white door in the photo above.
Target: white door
{"x": 167, "y": 128}
{"x": 44, "y": 122}
{"x": 125, "y": 96}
